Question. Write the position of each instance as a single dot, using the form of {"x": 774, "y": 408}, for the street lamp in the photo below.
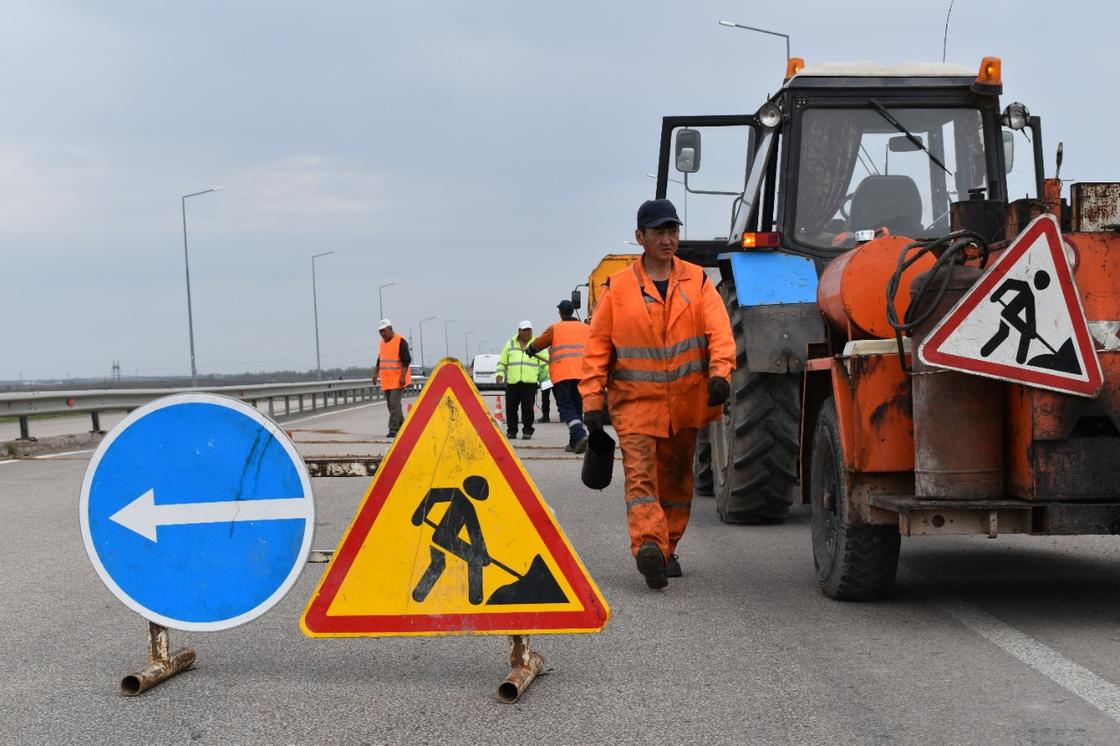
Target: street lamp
{"x": 732, "y": 24}
{"x": 380, "y": 307}
{"x": 315, "y": 302}
{"x": 187, "y": 264}
{"x": 447, "y": 346}
{"x": 480, "y": 343}
{"x": 467, "y": 345}
{"x": 422, "y": 362}
{"x": 685, "y": 185}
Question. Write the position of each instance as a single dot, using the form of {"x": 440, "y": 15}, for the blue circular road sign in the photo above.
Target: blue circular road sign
{"x": 197, "y": 512}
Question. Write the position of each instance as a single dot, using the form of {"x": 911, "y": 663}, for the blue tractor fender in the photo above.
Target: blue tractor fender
{"x": 773, "y": 308}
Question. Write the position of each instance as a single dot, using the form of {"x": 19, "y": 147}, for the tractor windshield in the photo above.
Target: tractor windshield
{"x": 898, "y": 169}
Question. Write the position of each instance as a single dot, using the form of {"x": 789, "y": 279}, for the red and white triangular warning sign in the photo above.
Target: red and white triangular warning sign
{"x": 453, "y": 537}
{"x": 1022, "y": 321}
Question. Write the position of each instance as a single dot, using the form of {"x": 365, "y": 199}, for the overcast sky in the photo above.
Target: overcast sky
{"x": 482, "y": 155}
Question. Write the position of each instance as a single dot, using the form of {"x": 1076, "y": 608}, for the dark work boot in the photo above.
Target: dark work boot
{"x": 651, "y": 564}
{"x": 673, "y": 567}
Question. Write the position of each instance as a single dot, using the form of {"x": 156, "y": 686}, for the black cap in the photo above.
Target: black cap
{"x": 657, "y": 212}
{"x": 566, "y": 306}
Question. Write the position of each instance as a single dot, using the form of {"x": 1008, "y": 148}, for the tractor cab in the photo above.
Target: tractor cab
{"x": 848, "y": 152}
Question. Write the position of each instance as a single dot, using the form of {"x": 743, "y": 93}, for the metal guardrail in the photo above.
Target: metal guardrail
{"x": 26, "y": 405}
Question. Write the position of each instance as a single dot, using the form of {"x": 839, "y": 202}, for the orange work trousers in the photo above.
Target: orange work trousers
{"x": 658, "y": 487}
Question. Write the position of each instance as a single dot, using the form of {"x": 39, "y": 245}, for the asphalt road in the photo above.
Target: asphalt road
{"x": 1014, "y": 640}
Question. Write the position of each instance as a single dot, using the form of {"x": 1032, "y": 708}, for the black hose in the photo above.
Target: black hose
{"x": 918, "y": 312}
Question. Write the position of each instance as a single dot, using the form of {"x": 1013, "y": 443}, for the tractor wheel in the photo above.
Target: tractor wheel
{"x": 854, "y": 563}
{"x": 704, "y": 483}
{"x": 755, "y": 443}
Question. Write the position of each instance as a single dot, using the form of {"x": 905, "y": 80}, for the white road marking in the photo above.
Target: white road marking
{"x": 285, "y": 423}
{"x": 1075, "y": 678}
{"x": 64, "y": 453}
{"x": 10, "y": 461}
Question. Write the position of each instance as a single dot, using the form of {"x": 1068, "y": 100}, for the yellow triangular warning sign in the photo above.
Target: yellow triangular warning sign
{"x": 453, "y": 537}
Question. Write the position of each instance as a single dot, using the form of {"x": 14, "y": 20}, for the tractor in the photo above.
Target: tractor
{"x": 846, "y": 219}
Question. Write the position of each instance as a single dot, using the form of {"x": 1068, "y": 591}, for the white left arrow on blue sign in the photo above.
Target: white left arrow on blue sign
{"x": 143, "y": 516}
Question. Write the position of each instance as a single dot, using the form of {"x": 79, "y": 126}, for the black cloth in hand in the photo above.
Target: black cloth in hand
{"x": 719, "y": 391}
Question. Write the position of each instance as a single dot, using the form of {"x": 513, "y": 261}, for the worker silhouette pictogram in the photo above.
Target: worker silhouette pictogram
{"x": 460, "y": 514}
{"x": 1019, "y": 312}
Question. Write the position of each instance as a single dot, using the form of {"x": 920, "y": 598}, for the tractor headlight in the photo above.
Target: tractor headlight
{"x": 769, "y": 115}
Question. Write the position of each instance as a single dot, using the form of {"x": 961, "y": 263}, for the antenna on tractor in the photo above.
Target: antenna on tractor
{"x": 945, "y": 39}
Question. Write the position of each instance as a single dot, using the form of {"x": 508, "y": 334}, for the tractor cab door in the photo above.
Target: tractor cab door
{"x": 719, "y": 171}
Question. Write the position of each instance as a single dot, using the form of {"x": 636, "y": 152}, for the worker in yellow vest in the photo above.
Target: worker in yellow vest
{"x": 565, "y": 341}
{"x": 522, "y": 372}
{"x": 392, "y": 369}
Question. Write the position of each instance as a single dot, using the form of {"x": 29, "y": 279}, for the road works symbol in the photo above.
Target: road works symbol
{"x": 197, "y": 512}
{"x": 1022, "y": 321}
{"x": 452, "y": 537}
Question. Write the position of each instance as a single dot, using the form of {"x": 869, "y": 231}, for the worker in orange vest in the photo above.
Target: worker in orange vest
{"x": 565, "y": 342}
{"x": 392, "y": 368}
{"x": 661, "y": 349}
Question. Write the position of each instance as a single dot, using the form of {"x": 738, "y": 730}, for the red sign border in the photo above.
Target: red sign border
{"x": 931, "y": 353}
{"x": 449, "y": 375}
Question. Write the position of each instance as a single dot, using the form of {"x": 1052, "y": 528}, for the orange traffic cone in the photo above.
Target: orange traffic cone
{"x": 498, "y": 411}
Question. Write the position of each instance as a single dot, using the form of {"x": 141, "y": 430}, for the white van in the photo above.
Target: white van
{"x": 484, "y": 372}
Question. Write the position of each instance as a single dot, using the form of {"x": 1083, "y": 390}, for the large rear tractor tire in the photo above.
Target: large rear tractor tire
{"x": 755, "y": 444}
{"x": 704, "y": 481}
{"x": 853, "y": 562}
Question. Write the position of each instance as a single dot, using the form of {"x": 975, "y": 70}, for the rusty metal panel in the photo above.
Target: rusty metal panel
{"x": 1095, "y": 206}
{"x": 1072, "y": 519}
{"x": 873, "y": 405}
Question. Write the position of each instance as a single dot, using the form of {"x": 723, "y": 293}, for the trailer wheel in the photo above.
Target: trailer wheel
{"x": 755, "y": 443}
{"x": 854, "y": 563}
{"x": 704, "y": 481}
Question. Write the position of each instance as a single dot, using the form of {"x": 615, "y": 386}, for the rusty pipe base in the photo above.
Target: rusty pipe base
{"x": 162, "y": 664}
{"x": 525, "y": 664}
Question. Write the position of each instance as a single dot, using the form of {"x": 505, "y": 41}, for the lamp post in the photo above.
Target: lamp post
{"x": 682, "y": 183}
{"x": 380, "y": 307}
{"x": 187, "y": 264}
{"x": 480, "y": 343}
{"x": 447, "y": 346}
{"x": 315, "y": 303}
{"x": 467, "y": 345}
{"x": 732, "y": 24}
{"x": 422, "y": 361}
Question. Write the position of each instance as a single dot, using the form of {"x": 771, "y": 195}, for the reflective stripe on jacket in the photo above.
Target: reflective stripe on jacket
{"x": 393, "y": 374}
{"x": 517, "y": 366}
{"x": 653, "y": 357}
{"x": 567, "y": 341}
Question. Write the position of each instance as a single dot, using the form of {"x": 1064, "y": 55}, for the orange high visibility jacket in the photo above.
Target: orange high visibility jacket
{"x": 393, "y": 374}
{"x": 565, "y": 342}
{"x": 654, "y": 357}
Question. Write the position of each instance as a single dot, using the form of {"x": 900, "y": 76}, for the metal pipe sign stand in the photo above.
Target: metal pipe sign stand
{"x": 197, "y": 513}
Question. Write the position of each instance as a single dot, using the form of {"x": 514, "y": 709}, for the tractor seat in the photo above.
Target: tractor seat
{"x": 890, "y": 201}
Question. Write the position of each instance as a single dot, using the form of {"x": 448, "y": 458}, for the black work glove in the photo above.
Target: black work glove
{"x": 594, "y": 420}
{"x": 719, "y": 391}
{"x": 530, "y": 350}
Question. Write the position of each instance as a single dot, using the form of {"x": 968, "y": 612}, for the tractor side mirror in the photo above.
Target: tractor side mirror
{"x": 902, "y": 144}
{"x": 576, "y": 301}
{"x": 1008, "y": 150}
{"x": 687, "y": 151}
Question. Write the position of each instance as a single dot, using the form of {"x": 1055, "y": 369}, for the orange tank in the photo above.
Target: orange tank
{"x": 852, "y": 293}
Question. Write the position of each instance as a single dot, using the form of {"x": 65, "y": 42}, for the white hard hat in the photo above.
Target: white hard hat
{"x": 385, "y": 324}
{"x": 525, "y": 324}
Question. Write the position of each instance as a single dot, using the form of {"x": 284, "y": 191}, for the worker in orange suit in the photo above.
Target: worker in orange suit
{"x": 661, "y": 349}
{"x": 393, "y": 372}
{"x": 565, "y": 341}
